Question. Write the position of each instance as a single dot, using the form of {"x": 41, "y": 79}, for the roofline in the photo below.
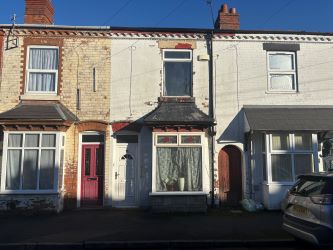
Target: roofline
{"x": 158, "y": 29}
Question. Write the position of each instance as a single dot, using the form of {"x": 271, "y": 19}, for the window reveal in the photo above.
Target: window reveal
{"x": 177, "y": 72}
{"x": 290, "y": 155}
{"x": 42, "y": 69}
{"x": 281, "y": 71}
{"x": 30, "y": 161}
{"x": 178, "y": 163}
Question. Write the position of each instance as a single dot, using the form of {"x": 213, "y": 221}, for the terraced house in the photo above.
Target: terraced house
{"x": 172, "y": 119}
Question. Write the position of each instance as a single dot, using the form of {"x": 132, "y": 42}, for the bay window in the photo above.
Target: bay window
{"x": 42, "y": 69}
{"x": 290, "y": 154}
{"x": 31, "y": 161}
{"x": 178, "y": 166}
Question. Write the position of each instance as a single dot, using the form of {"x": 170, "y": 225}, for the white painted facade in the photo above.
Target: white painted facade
{"x": 242, "y": 79}
{"x": 136, "y": 85}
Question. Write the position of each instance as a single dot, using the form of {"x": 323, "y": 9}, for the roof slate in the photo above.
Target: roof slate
{"x": 178, "y": 113}
{"x": 40, "y": 111}
{"x": 287, "y": 118}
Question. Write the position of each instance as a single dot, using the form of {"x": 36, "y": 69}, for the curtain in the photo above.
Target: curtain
{"x": 48, "y": 140}
{"x": 280, "y": 142}
{"x": 42, "y": 59}
{"x": 13, "y": 169}
{"x": 15, "y": 140}
{"x": 31, "y": 140}
{"x": 30, "y": 168}
{"x": 174, "y": 163}
{"x": 303, "y": 141}
{"x": 41, "y": 82}
{"x": 46, "y": 176}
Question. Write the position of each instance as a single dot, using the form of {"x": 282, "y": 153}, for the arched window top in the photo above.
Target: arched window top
{"x": 127, "y": 157}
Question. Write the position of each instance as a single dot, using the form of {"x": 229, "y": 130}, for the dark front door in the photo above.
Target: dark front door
{"x": 92, "y": 175}
{"x": 230, "y": 176}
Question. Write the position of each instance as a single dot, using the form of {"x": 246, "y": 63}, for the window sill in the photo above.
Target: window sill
{"x": 176, "y": 193}
{"x": 176, "y": 99}
{"x": 31, "y": 192}
{"x": 278, "y": 183}
{"x": 281, "y": 92}
{"x": 40, "y": 97}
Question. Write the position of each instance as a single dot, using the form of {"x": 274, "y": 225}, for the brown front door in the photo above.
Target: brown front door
{"x": 92, "y": 175}
{"x": 230, "y": 176}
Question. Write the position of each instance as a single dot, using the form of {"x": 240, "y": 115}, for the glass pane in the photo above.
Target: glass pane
{"x": 92, "y": 138}
{"x": 281, "y": 62}
{"x": 42, "y": 82}
{"x": 87, "y": 159}
{"x": 178, "y": 78}
{"x": 178, "y": 169}
{"x": 303, "y": 164}
{"x": 43, "y": 58}
{"x": 15, "y": 140}
{"x": 281, "y": 168}
{"x": 282, "y": 82}
{"x": 48, "y": 140}
{"x": 127, "y": 139}
{"x": 31, "y": 140}
{"x": 280, "y": 142}
{"x": 47, "y": 163}
{"x": 263, "y": 143}
{"x": 190, "y": 139}
{"x": 13, "y": 169}
{"x": 309, "y": 186}
{"x": 30, "y": 167}
{"x": 99, "y": 161}
{"x": 303, "y": 141}
{"x": 177, "y": 54}
{"x": 167, "y": 139}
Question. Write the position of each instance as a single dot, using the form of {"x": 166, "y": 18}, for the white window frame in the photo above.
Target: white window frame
{"x": 57, "y": 149}
{"x": 190, "y": 60}
{"x": 179, "y": 144}
{"x": 52, "y": 71}
{"x": 292, "y": 151}
{"x": 292, "y": 72}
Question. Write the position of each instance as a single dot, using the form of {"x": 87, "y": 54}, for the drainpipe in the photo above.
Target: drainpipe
{"x": 209, "y": 40}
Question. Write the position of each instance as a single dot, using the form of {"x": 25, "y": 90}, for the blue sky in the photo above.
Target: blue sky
{"x": 294, "y": 15}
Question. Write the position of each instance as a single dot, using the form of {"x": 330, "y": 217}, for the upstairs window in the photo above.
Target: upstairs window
{"x": 177, "y": 72}
{"x": 42, "y": 69}
{"x": 282, "y": 72}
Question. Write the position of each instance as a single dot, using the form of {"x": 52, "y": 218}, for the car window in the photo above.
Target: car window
{"x": 312, "y": 186}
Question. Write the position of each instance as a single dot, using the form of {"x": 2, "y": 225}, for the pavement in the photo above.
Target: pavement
{"x": 102, "y": 229}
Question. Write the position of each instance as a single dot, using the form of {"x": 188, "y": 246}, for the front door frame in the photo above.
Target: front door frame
{"x": 79, "y": 165}
{"x": 137, "y": 169}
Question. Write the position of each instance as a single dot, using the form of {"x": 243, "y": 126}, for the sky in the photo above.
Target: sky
{"x": 291, "y": 15}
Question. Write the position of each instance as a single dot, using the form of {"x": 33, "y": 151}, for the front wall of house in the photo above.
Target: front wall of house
{"x": 85, "y": 61}
{"x": 137, "y": 82}
{"x": 242, "y": 79}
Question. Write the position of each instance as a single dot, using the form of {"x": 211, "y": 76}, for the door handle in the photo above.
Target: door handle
{"x": 116, "y": 175}
{"x": 92, "y": 178}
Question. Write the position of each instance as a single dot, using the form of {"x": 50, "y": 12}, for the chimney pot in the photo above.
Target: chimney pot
{"x": 233, "y": 11}
{"x": 227, "y": 19}
{"x": 225, "y": 8}
{"x": 38, "y": 12}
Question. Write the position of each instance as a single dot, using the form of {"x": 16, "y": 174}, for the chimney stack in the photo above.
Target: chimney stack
{"x": 227, "y": 19}
{"x": 38, "y": 12}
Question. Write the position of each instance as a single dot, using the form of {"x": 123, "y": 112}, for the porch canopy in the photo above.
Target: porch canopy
{"x": 38, "y": 113}
{"x": 288, "y": 118}
{"x": 178, "y": 113}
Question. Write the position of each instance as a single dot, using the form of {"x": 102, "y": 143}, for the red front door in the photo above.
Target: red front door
{"x": 92, "y": 175}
